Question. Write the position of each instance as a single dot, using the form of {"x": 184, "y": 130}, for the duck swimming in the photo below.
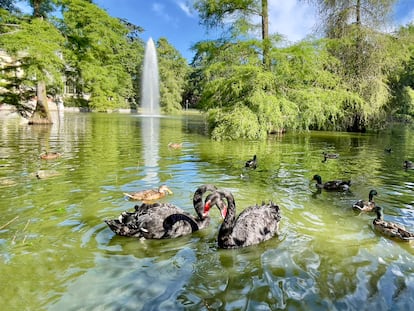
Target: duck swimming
{"x": 254, "y": 225}
{"x": 330, "y": 155}
{"x": 366, "y": 206}
{"x": 408, "y": 164}
{"x": 50, "y": 155}
{"x": 252, "y": 163}
{"x": 391, "y": 229}
{"x": 162, "y": 220}
{"x": 149, "y": 195}
{"x": 175, "y": 145}
{"x": 333, "y": 185}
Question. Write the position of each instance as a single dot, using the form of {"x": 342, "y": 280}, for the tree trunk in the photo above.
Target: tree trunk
{"x": 265, "y": 34}
{"x": 41, "y": 114}
{"x": 358, "y": 13}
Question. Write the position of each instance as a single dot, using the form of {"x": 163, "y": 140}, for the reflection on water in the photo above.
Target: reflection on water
{"x": 150, "y": 139}
{"x": 57, "y": 253}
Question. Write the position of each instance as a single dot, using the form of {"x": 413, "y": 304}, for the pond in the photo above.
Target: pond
{"x": 56, "y": 252}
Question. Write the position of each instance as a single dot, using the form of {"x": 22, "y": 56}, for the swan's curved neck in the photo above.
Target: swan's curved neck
{"x": 231, "y": 211}
{"x": 198, "y": 200}
{"x": 172, "y": 219}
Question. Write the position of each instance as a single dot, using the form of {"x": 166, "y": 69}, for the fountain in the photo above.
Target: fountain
{"x": 150, "y": 97}
{"x": 150, "y": 93}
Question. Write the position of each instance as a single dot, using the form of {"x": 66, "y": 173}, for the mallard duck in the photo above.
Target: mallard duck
{"x": 334, "y": 185}
{"x": 408, "y": 164}
{"x": 50, "y": 155}
{"x": 391, "y": 229}
{"x": 175, "y": 145}
{"x": 163, "y": 220}
{"x": 44, "y": 174}
{"x": 366, "y": 206}
{"x": 150, "y": 194}
{"x": 252, "y": 163}
{"x": 254, "y": 225}
{"x": 330, "y": 155}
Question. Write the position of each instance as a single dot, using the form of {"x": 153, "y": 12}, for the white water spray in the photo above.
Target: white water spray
{"x": 150, "y": 89}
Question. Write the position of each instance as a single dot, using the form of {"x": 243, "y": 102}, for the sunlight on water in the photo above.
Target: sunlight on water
{"x": 58, "y": 254}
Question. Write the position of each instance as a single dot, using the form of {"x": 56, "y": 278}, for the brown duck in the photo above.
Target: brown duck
{"x": 391, "y": 229}
{"x": 150, "y": 194}
{"x": 366, "y": 206}
{"x": 50, "y": 155}
{"x": 175, "y": 145}
{"x": 332, "y": 185}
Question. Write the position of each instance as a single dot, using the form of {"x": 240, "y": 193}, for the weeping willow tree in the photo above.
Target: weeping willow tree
{"x": 296, "y": 87}
{"x": 238, "y": 87}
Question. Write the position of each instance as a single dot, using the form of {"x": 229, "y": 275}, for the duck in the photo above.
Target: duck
{"x": 408, "y": 164}
{"x": 45, "y": 174}
{"x": 252, "y": 163}
{"x": 175, "y": 145}
{"x": 50, "y": 155}
{"x": 366, "y": 206}
{"x": 330, "y": 155}
{"x": 388, "y": 150}
{"x": 254, "y": 225}
{"x": 333, "y": 185}
{"x": 150, "y": 194}
{"x": 163, "y": 220}
{"x": 391, "y": 229}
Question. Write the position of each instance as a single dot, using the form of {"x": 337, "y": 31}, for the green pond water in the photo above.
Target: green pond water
{"x": 56, "y": 252}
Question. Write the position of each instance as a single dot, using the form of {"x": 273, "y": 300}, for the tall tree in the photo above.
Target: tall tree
{"x": 36, "y": 47}
{"x": 215, "y": 13}
{"x": 173, "y": 70}
{"x": 42, "y": 8}
{"x": 354, "y": 27}
{"x": 99, "y": 54}
{"x": 8, "y": 5}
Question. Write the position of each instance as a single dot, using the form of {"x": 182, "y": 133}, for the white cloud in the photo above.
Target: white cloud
{"x": 159, "y": 9}
{"x": 293, "y": 19}
{"x": 185, "y": 8}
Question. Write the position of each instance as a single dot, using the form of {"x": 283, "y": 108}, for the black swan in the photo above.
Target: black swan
{"x": 253, "y": 226}
{"x": 366, "y": 206}
{"x": 334, "y": 185}
{"x": 162, "y": 220}
{"x": 391, "y": 229}
{"x": 252, "y": 163}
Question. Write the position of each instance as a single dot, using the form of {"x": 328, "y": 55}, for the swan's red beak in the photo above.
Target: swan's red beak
{"x": 223, "y": 212}
{"x": 207, "y": 207}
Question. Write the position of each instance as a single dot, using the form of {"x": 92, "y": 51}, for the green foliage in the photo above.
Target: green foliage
{"x": 36, "y": 45}
{"x": 401, "y": 77}
{"x": 239, "y": 123}
{"x": 340, "y": 83}
{"x": 173, "y": 71}
{"x": 8, "y": 5}
{"x": 213, "y": 13}
{"x": 99, "y": 53}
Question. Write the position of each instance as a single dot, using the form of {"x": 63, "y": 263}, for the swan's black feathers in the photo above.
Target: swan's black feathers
{"x": 162, "y": 220}
{"x": 254, "y": 225}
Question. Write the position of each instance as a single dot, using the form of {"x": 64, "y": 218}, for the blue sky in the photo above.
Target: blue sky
{"x": 176, "y": 21}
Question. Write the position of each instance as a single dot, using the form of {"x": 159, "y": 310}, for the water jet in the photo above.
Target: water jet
{"x": 150, "y": 90}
